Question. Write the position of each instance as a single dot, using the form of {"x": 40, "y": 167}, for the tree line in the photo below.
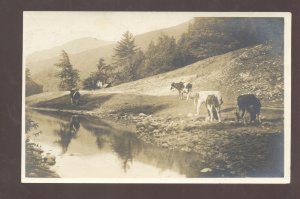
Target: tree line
{"x": 204, "y": 38}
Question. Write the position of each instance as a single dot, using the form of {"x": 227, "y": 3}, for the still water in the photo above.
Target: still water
{"x": 87, "y": 147}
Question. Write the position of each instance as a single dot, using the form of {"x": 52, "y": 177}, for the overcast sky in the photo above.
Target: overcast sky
{"x": 44, "y": 30}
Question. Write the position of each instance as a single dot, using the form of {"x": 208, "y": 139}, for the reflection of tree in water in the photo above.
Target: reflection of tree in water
{"x": 67, "y": 132}
{"x": 126, "y": 147}
{"x": 124, "y": 144}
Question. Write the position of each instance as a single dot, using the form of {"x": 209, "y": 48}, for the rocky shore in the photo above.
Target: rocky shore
{"x": 229, "y": 146}
{"x": 38, "y": 163}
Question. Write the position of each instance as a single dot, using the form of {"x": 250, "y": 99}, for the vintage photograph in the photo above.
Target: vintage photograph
{"x": 156, "y": 97}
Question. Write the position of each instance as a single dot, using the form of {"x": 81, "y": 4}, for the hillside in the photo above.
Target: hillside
{"x": 72, "y": 47}
{"x": 255, "y": 69}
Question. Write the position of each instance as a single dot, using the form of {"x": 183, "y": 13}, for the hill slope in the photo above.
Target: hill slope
{"x": 254, "y": 69}
{"x": 72, "y": 47}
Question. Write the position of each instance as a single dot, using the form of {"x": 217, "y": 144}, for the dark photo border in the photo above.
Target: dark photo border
{"x": 11, "y": 105}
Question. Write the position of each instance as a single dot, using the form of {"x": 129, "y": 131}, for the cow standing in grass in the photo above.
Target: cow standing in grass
{"x": 74, "y": 96}
{"x": 182, "y": 87}
{"x": 201, "y": 98}
{"x": 249, "y": 103}
{"x": 213, "y": 106}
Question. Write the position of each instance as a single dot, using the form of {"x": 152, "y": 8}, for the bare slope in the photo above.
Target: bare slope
{"x": 249, "y": 70}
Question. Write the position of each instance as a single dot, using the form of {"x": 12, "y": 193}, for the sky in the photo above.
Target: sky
{"x": 43, "y": 30}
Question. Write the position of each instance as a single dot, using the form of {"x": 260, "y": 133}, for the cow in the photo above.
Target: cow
{"x": 182, "y": 87}
{"x": 213, "y": 104}
{"x": 201, "y": 98}
{"x": 249, "y": 103}
{"x": 74, "y": 96}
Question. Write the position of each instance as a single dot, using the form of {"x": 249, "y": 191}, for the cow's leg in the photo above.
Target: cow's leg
{"x": 210, "y": 112}
{"x": 188, "y": 96}
{"x": 198, "y": 107}
{"x": 218, "y": 113}
{"x": 243, "y": 114}
{"x": 71, "y": 100}
{"x": 258, "y": 117}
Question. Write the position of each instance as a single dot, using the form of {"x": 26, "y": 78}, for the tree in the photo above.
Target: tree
{"x": 124, "y": 56}
{"x": 103, "y": 74}
{"x": 31, "y": 86}
{"x": 160, "y": 57}
{"x": 68, "y": 76}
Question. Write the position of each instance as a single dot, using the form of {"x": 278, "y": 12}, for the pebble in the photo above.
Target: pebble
{"x": 206, "y": 170}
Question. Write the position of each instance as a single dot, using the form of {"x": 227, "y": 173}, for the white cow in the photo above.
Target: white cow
{"x": 201, "y": 98}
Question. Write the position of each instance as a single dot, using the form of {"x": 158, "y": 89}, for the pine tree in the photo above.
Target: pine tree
{"x": 68, "y": 76}
{"x": 124, "y": 56}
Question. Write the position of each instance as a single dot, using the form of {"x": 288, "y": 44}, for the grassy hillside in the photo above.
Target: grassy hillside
{"x": 254, "y": 69}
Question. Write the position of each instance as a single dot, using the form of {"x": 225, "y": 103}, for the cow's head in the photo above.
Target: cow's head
{"x": 72, "y": 91}
{"x": 172, "y": 86}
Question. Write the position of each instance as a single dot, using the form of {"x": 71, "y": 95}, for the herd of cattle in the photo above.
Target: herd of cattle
{"x": 212, "y": 100}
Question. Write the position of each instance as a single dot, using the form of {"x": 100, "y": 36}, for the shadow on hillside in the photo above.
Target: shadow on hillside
{"x": 87, "y": 102}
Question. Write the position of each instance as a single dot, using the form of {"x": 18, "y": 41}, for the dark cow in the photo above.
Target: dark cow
{"x": 74, "y": 96}
{"x": 182, "y": 87}
{"x": 249, "y": 103}
{"x": 213, "y": 106}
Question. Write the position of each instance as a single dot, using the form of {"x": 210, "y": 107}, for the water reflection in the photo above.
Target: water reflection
{"x": 124, "y": 144}
{"x": 98, "y": 148}
{"x": 67, "y": 132}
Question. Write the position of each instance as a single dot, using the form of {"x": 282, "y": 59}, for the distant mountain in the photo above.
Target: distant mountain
{"x": 72, "y": 47}
{"x": 43, "y": 70}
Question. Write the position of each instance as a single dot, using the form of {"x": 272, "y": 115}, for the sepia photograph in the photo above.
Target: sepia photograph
{"x": 156, "y": 97}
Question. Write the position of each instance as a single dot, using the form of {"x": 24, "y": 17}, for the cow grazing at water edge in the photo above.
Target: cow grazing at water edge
{"x": 249, "y": 103}
{"x": 201, "y": 98}
{"x": 182, "y": 87}
{"x": 74, "y": 96}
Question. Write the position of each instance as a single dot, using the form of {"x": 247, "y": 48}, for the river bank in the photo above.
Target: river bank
{"x": 167, "y": 122}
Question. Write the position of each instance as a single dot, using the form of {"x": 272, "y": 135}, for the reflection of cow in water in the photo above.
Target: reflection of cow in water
{"x": 67, "y": 132}
{"x": 74, "y": 96}
{"x": 74, "y": 123}
{"x": 249, "y": 103}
